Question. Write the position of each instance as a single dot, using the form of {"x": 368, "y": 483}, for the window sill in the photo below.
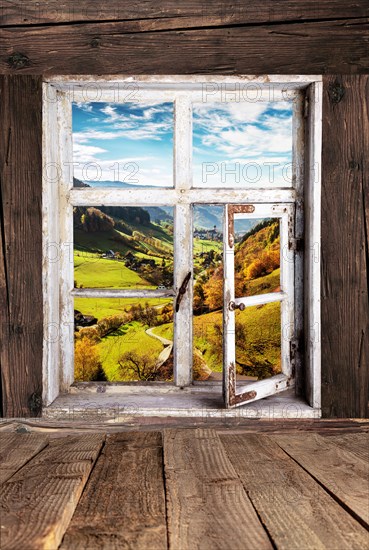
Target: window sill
{"x": 124, "y": 402}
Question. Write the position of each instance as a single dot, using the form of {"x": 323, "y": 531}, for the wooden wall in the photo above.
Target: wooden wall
{"x": 171, "y": 37}
{"x": 20, "y": 245}
{"x": 345, "y": 240}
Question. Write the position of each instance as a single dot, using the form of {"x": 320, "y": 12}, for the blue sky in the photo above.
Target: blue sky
{"x": 234, "y": 144}
{"x": 130, "y": 142}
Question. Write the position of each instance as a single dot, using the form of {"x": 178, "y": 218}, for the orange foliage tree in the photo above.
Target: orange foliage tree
{"x": 87, "y": 364}
{"x": 213, "y": 290}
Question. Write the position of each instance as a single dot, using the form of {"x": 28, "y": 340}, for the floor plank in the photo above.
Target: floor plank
{"x": 295, "y": 509}
{"x": 16, "y": 450}
{"x": 123, "y": 505}
{"x": 342, "y": 473}
{"x": 207, "y": 506}
{"x": 38, "y": 502}
{"x": 358, "y": 444}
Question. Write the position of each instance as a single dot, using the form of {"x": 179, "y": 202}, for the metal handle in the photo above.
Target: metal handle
{"x": 182, "y": 290}
{"x": 232, "y": 306}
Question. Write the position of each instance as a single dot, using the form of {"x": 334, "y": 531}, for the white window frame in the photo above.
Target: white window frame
{"x": 236, "y": 394}
{"x": 59, "y": 197}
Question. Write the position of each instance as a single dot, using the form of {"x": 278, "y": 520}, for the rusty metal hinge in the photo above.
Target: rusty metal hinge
{"x": 296, "y": 244}
{"x": 296, "y": 346}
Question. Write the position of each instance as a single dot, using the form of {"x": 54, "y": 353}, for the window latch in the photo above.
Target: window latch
{"x": 233, "y": 306}
{"x": 182, "y": 290}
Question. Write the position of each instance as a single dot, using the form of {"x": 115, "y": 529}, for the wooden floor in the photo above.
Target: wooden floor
{"x": 290, "y": 485}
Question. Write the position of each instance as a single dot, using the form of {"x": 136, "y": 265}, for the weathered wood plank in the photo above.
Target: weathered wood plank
{"x": 16, "y": 450}
{"x": 345, "y": 253}
{"x": 296, "y": 511}
{"x": 189, "y": 13}
{"x": 201, "y": 486}
{"x": 357, "y": 444}
{"x": 343, "y": 474}
{"x": 38, "y": 502}
{"x": 60, "y": 428}
{"x": 308, "y": 48}
{"x": 21, "y": 327}
{"x": 123, "y": 505}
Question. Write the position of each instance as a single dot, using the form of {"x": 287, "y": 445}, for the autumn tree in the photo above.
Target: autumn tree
{"x": 87, "y": 364}
{"x": 94, "y": 220}
{"x": 213, "y": 290}
{"x": 141, "y": 366}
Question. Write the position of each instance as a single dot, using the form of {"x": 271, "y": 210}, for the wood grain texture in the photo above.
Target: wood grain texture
{"x": 357, "y": 444}
{"x": 21, "y": 325}
{"x": 345, "y": 247}
{"x": 60, "y": 428}
{"x": 16, "y": 450}
{"x": 123, "y": 505}
{"x": 133, "y": 47}
{"x": 295, "y": 509}
{"x": 202, "y": 485}
{"x": 185, "y": 14}
{"x": 340, "y": 472}
{"x": 37, "y": 503}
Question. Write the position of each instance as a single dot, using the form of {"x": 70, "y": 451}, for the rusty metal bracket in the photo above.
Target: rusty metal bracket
{"x": 234, "y": 398}
{"x": 236, "y": 209}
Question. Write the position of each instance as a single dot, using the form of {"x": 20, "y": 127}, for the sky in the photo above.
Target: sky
{"x": 240, "y": 144}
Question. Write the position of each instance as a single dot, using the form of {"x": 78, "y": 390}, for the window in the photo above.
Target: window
{"x": 210, "y": 204}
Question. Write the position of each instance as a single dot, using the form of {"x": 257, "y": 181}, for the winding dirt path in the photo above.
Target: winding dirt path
{"x": 164, "y": 341}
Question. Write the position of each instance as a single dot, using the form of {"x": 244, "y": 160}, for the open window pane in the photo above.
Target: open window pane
{"x": 122, "y": 145}
{"x": 208, "y": 291}
{"x": 123, "y": 340}
{"x": 257, "y": 262}
{"x": 123, "y": 247}
{"x": 242, "y": 144}
{"x": 258, "y": 342}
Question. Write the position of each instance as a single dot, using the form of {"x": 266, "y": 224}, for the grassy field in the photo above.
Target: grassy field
{"x": 205, "y": 246}
{"x": 95, "y": 272}
{"x": 260, "y": 328}
{"x": 265, "y": 284}
{"x": 130, "y": 337}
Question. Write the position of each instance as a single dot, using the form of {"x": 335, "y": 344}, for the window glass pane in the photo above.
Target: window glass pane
{"x": 258, "y": 342}
{"x": 123, "y": 340}
{"x": 208, "y": 292}
{"x": 242, "y": 144}
{"x": 122, "y": 145}
{"x": 123, "y": 247}
{"x": 257, "y": 256}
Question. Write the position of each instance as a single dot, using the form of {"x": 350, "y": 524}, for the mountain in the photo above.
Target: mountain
{"x": 206, "y": 216}
{"x": 79, "y": 183}
{"x": 161, "y": 214}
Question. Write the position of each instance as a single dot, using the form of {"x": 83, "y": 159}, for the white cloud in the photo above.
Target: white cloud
{"x": 237, "y": 129}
